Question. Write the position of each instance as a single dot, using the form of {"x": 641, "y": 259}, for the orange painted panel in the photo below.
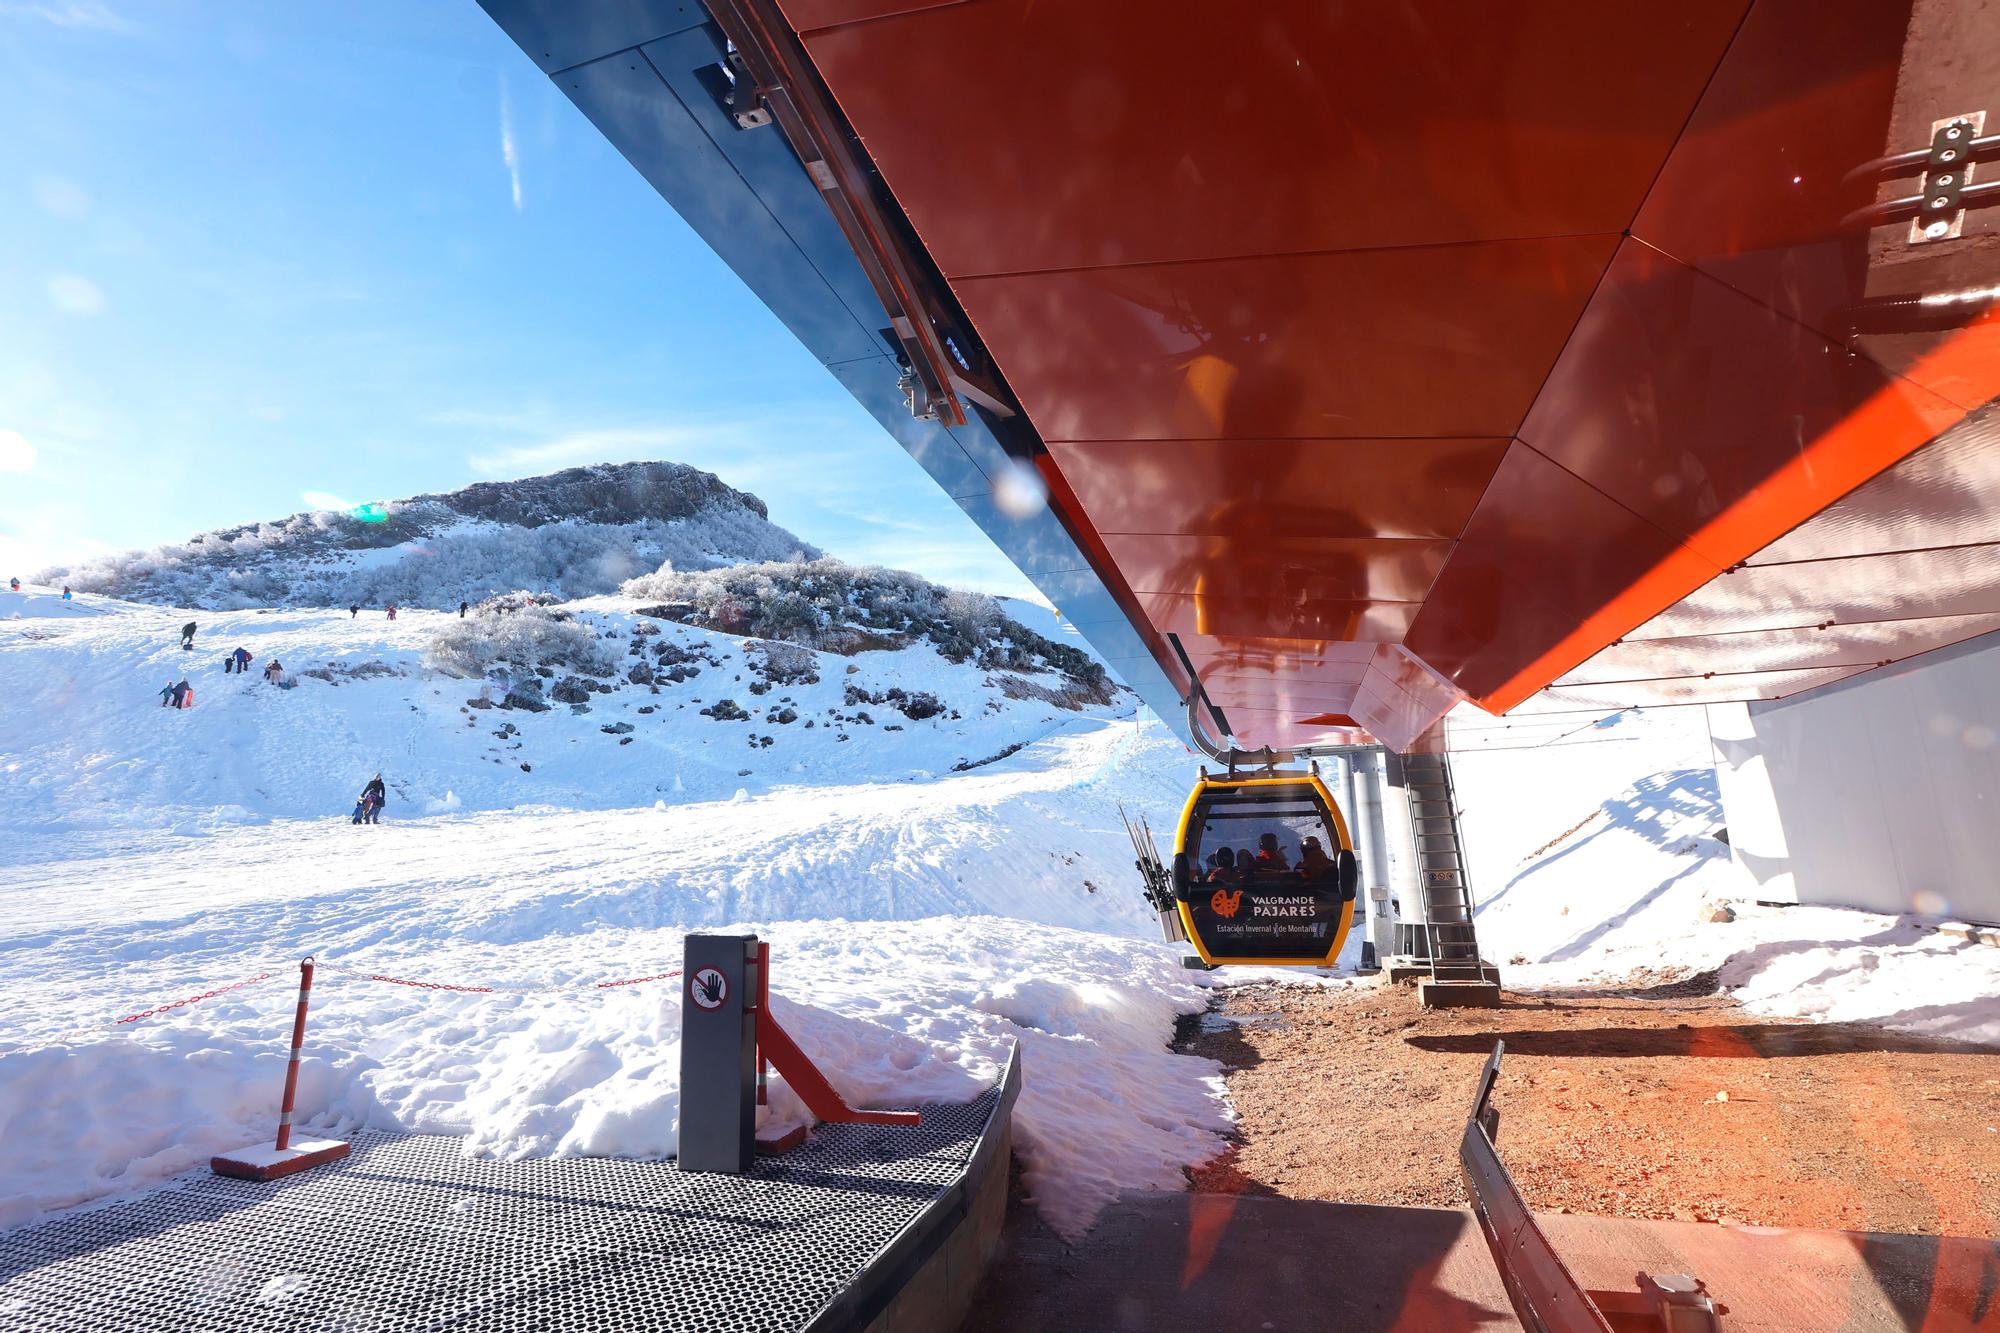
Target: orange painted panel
{"x": 1451, "y": 341}
{"x": 1681, "y": 398}
{"x": 1542, "y": 551}
{"x": 1304, "y": 571}
{"x": 1257, "y": 658}
{"x": 1029, "y": 135}
{"x": 1323, "y": 488}
{"x": 804, "y": 15}
{"x": 1253, "y": 617}
{"x": 1282, "y": 730}
{"x": 1292, "y": 696}
{"x": 1756, "y": 190}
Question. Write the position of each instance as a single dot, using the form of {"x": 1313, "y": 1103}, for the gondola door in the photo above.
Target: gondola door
{"x": 1264, "y": 871}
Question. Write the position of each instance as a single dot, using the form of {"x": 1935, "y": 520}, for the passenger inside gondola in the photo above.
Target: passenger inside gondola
{"x": 1222, "y": 867}
{"x": 1270, "y": 856}
{"x": 1314, "y": 863}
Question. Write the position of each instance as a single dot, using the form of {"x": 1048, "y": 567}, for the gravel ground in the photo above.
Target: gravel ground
{"x": 1658, "y": 1099}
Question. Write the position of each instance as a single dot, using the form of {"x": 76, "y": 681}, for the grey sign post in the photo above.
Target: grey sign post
{"x": 718, "y": 1054}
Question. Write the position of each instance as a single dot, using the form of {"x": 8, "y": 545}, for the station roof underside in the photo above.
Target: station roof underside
{"x": 1381, "y": 357}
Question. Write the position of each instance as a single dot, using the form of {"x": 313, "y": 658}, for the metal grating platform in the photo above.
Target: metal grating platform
{"x": 410, "y": 1234}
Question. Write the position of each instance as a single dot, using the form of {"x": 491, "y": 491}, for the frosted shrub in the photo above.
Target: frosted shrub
{"x": 833, "y": 606}
{"x": 533, "y": 636}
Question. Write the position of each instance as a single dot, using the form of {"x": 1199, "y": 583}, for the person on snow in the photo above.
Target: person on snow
{"x": 187, "y": 636}
{"x": 167, "y": 695}
{"x": 373, "y": 797}
{"x": 354, "y": 611}
{"x": 15, "y": 584}
{"x": 242, "y": 659}
{"x": 66, "y": 596}
{"x": 462, "y": 608}
{"x": 392, "y": 610}
{"x": 184, "y": 694}
{"x": 273, "y": 672}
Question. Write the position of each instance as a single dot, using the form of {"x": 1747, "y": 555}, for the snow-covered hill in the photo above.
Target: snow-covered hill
{"x": 673, "y": 713}
{"x": 579, "y": 532}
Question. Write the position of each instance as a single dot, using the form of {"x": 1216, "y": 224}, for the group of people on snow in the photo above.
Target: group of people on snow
{"x": 14, "y": 585}
{"x": 180, "y": 694}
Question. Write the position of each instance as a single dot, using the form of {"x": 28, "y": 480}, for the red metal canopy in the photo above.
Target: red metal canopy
{"x": 1522, "y": 350}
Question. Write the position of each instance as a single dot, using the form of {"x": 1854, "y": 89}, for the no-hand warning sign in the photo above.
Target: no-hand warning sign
{"x": 708, "y": 988}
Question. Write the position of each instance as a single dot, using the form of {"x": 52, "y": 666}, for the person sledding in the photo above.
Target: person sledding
{"x": 374, "y": 796}
{"x": 187, "y": 636}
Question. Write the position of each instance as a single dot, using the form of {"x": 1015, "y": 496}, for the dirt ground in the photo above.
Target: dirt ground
{"x": 1663, "y": 1101}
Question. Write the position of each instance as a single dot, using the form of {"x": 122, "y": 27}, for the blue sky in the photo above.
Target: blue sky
{"x": 269, "y": 255}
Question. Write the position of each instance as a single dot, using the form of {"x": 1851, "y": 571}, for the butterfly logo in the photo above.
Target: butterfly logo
{"x": 1224, "y": 903}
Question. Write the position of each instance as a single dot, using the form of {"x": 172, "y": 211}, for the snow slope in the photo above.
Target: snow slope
{"x": 935, "y": 893}
{"x": 93, "y": 755}
{"x": 925, "y": 919}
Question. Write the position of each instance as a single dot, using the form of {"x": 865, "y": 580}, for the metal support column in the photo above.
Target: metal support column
{"x": 1366, "y": 772}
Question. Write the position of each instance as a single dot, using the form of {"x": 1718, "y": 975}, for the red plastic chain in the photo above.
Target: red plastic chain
{"x": 172, "y": 1005}
{"x": 633, "y": 981}
{"x": 426, "y": 985}
{"x": 192, "y": 999}
{"x": 493, "y": 990}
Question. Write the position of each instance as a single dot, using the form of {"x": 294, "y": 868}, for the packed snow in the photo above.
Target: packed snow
{"x": 937, "y": 889}
{"x": 1594, "y": 858}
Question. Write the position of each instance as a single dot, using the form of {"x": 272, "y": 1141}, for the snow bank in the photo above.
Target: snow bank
{"x": 1592, "y": 861}
{"x": 894, "y": 1015}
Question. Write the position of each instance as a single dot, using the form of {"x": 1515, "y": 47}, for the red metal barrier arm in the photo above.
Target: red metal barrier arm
{"x": 811, "y": 1085}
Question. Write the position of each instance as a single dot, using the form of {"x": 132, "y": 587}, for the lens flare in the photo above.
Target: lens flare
{"x": 1019, "y": 490}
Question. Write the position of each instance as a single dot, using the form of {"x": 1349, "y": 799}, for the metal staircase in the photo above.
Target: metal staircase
{"x": 1452, "y": 944}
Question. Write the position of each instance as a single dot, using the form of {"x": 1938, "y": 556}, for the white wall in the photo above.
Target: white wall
{"x": 1882, "y": 792}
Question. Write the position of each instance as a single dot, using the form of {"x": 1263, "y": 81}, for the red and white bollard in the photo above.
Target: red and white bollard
{"x": 285, "y": 1157}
